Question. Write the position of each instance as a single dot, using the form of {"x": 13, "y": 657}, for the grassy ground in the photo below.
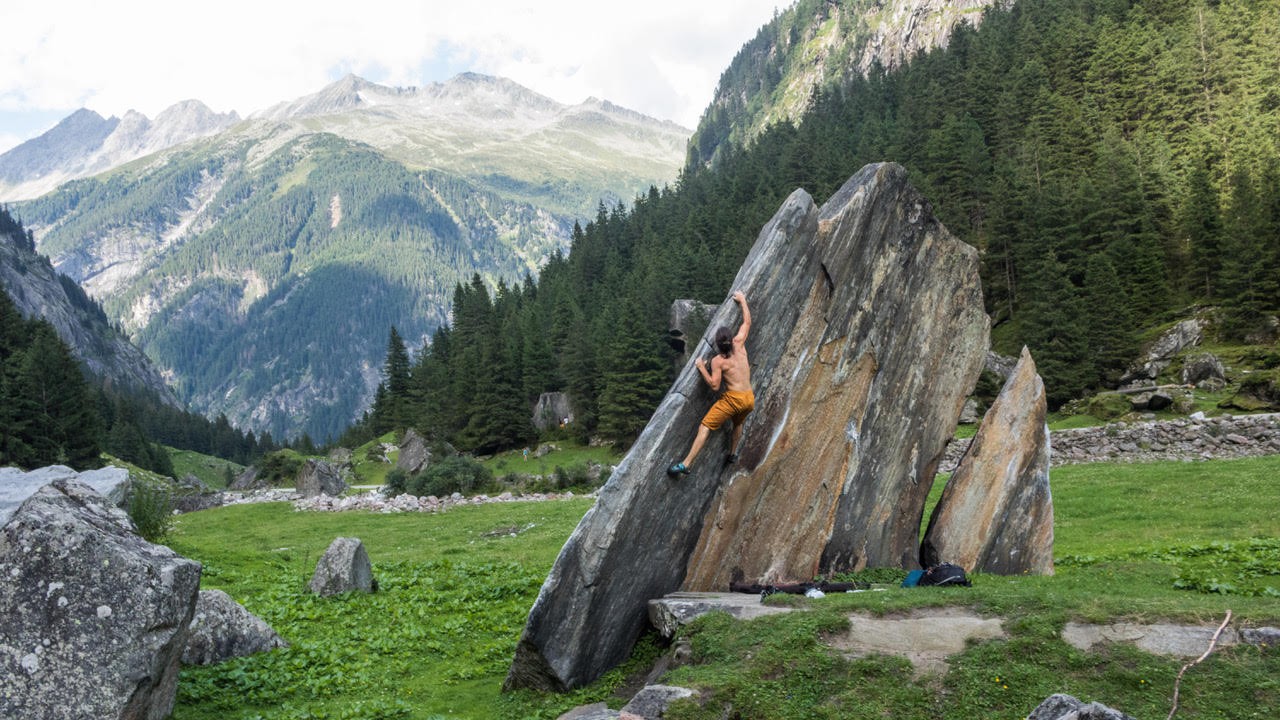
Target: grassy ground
{"x": 567, "y": 454}
{"x": 212, "y": 471}
{"x": 1180, "y": 541}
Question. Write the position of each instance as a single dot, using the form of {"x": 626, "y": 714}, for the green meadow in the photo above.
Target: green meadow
{"x": 1143, "y": 542}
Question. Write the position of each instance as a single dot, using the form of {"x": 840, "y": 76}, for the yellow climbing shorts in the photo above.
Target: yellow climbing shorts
{"x": 732, "y": 404}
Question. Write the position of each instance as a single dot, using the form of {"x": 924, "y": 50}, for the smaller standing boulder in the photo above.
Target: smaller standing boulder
{"x": 222, "y": 629}
{"x": 1178, "y": 338}
{"x": 996, "y": 512}
{"x": 1065, "y": 707}
{"x": 248, "y": 480}
{"x": 414, "y": 453}
{"x": 1204, "y": 368}
{"x": 318, "y": 477}
{"x": 344, "y": 567}
{"x": 652, "y": 701}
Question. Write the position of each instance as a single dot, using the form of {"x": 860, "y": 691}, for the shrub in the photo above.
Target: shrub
{"x": 150, "y": 506}
{"x": 280, "y": 467}
{"x": 452, "y": 474}
{"x": 397, "y": 482}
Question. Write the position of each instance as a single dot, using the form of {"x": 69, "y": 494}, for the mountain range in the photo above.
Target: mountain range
{"x": 262, "y": 265}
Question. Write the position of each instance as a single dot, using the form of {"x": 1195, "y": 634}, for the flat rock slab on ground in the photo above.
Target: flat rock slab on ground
{"x": 1183, "y": 641}
{"x": 925, "y": 636}
{"x": 668, "y": 613}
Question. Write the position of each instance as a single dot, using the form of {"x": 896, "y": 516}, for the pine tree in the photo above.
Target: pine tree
{"x": 51, "y": 391}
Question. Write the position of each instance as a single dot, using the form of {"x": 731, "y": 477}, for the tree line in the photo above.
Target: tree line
{"x": 1116, "y": 163}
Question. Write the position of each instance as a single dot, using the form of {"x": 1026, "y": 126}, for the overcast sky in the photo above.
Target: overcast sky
{"x": 660, "y": 57}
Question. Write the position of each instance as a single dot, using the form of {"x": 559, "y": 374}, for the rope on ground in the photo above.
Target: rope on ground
{"x": 1177, "y": 684}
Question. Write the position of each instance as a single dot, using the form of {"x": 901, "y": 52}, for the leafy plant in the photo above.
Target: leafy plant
{"x": 150, "y": 505}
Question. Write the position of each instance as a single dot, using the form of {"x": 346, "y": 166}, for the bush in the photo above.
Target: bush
{"x": 280, "y": 467}
{"x": 452, "y": 474}
{"x": 150, "y": 506}
{"x": 397, "y": 482}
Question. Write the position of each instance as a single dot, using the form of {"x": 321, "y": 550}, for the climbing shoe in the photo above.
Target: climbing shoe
{"x": 678, "y": 470}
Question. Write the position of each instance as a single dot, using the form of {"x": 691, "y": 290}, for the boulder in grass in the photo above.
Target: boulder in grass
{"x": 1065, "y": 707}
{"x": 319, "y": 477}
{"x": 222, "y": 629}
{"x": 344, "y": 567}
{"x": 93, "y": 618}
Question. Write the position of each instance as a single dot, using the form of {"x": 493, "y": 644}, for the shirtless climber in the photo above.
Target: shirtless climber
{"x": 731, "y": 366}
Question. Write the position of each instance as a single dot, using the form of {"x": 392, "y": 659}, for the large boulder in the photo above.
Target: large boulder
{"x": 1204, "y": 368}
{"x": 551, "y": 410}
{"x": 319, "y": 477}
{"x": 1161, "y": 353}
{"x": 93, "y": 618}
{"x": 344, "y": 567}
{"x": 222, "y": 629}
{"x": 16, "y": 486}
{"x": 996, "y": 512}
{"x": 868, "y": 332}
{"x": 414, "y": 453}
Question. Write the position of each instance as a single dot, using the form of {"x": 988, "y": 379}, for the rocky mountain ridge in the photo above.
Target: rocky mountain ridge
{"x": 85, "y": 144}
{"x": 231, "y": 259}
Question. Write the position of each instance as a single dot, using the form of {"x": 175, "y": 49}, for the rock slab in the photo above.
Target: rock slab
{"x": 996, "y": 511}
{"x": 90, "y": 613}
{"x": 868, "y": 333}
{"x": 344, "y": 567}
{"x": 319, "y": 477}
{"x": 222, "y": 628}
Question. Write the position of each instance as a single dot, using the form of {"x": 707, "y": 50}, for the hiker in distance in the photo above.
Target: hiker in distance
{"x": 730, "y": 365}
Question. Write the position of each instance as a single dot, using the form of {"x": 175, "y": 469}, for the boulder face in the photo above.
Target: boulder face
{"x": 93, "y": 618}
{"x": 868, "y": 332}
{"x": 414, "y": 453}
{"x": 344, "y": 567}
{"x": 318, "y": 477}
{"x": 551, "y": 410}
{"x": 996, "y": 512}
{"x": 222, "y": 629}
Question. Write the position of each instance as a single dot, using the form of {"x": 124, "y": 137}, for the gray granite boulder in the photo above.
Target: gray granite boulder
{"x": 652, "y": 701}
{"x": 868, "y": 333}
{"x": 1160, "y": 354}
{"x": 248, "y": 480}
{"x": 1204, "y": 368}
{"x": 319, "y": 477}
{"x": 222, "y": 629}
{"x": 93, "y": 618}
{"x": 996, "y": 511}
{"x": 1065, "y": 707}
{"x": 551, "y": 410}
{"x": 414, "y": 453}
{"x": 344, "y": 567}
{"x": 16, "y": 486}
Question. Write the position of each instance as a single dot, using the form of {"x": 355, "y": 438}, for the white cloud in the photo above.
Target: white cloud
{"x": 662, "y": 57}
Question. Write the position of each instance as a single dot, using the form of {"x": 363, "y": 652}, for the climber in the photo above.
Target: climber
{"x": 729, "y": 365}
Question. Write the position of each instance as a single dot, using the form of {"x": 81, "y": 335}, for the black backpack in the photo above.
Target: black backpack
{"x": 944, "y": 574}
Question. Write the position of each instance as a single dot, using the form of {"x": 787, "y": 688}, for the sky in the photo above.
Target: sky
{"x": 660, "y": 57}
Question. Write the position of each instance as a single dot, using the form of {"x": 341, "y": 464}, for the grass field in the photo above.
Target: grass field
{"x": 1180, "y": 541}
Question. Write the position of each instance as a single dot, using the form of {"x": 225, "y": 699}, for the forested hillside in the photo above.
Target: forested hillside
{"x": 1117, "y": 163}
{"x": 56, "y": 408}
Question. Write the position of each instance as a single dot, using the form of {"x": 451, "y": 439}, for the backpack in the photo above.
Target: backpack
{"x": 944, "y": 574}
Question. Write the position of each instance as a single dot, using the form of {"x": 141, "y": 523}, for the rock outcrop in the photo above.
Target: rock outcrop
{"x": 551, "y": 410}
{"x": 996, "y": 511}
{"x": 319, "y": 477}
{"x": 1161, "y": 353}
{"x": 93, "y": 618}
{"x": 222, "y": 629}
{"x": 868, "y": 334}
{"x": 414, "y": 453}
{"x": 344, "y": 567}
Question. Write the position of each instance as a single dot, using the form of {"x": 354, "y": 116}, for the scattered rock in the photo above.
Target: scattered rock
{"x": 1203, "y": 368}
{"x": 594, "y": 711}
{"x": 222, "y": 629}
{"x": 93, "y": 618}
{"x": 344, "y": 567}
{"x": 652, "y": 701}
{"x": 996, "y": 511}
{"x": 318, "y": 477}
{"x": 1065, "y": 707}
